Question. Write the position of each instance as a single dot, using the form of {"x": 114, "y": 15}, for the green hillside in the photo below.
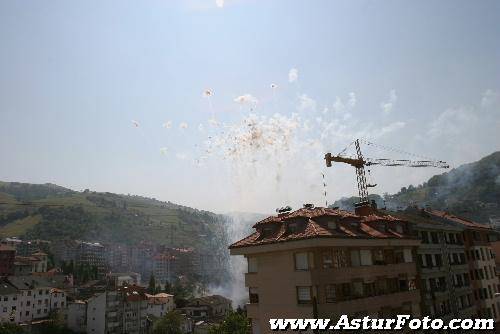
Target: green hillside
{"x": 51, "y": 212}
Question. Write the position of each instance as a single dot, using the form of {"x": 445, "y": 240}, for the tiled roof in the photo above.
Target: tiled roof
{"x": 315, "y": 225}
{"x": 159, "y": 298}
{"x": 209, "y": 301}
{"x": 459, "y": 220}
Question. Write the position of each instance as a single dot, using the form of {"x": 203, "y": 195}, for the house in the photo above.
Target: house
{"x": 208, "y": 307}
{"x": 160, "y": 304}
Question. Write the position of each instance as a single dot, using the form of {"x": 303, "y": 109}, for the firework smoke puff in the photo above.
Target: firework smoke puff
{"x": 183, "y": 126}
{"x": 246, "y": 99}
{"x": 163, "y": 150}
{"x": 274, "y": 86}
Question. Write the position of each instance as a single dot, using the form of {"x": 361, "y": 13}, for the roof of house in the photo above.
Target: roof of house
{"x": 315, "y": 225}
{"x": 159, "y": 298}
{"x": 28, "y": 282}
{"x": 7, "y": 289}
{"x": 209, "y": 301}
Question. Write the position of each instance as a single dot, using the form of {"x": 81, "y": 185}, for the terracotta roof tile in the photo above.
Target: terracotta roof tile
{"x": 313, "y": 223}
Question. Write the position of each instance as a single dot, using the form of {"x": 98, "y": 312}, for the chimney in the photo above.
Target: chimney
{"x": 363, "y": 209}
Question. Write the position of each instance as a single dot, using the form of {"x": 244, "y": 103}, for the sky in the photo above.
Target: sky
{"x": 231, "y": 105}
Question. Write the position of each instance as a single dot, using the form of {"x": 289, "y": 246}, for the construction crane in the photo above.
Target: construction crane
{"x": 359, "y": 162}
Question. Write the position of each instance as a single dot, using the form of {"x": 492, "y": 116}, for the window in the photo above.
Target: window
{"x": 439, "y": 260}
{"x": 434, "y": 238}
{"x": 327, "y": 259}
{"x": 378, "y": 257}
{"x": 254, "y": 295}
{"x": 425, "y": 237}
{"x": 355, "y": 258}
{"x": 252, "y": 264}
{"x": 408, "y": 257}
{"x": 366, "y": 257}
{"x": 330, "y": 293}
{"x": 345, "y": 291}
{"x": 293, "y": 227}
{"x": 357, "y": 289}
{"x": 302, "y": 261}
{"x": 304, "y": 294}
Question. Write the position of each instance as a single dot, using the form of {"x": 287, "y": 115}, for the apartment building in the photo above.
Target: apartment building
{"x": 445, "y": 282}
{"x": 466, "y": 246}
{"x": 24, "y": 299}
{"x": 122, "y": 310}
{"x": 321, "y": 262}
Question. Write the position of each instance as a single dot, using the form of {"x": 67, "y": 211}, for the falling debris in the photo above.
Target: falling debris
{"x": 167, "y": 124}
{"x": 207, "y": 93}
{"x": 274, "y": 86}
{"x": 135, "y": 123}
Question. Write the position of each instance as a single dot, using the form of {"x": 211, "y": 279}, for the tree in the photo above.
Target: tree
{"x": 168, "y": 288}
{"x": 169, "y": 324}
{"x": 152, "y": 284}
{"x": 8, "y": 328}
{"x": 234, "y": 323}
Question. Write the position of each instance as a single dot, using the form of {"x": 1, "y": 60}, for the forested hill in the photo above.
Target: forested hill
{"x": 471, "y": 190}
{"x": 51, "y": 212}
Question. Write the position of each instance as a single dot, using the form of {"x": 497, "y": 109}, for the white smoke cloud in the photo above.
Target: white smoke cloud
{"x": 219, "y": 3}
{"x": 352, "y": 100}
{"x": 452, "y": 122}
{"x": 389, "y": 105}
{"x": 183, "y": 125}
{"x": 488, "y": 98}
{"x": 306, "y": 103}
{"x": 293, "y": 75}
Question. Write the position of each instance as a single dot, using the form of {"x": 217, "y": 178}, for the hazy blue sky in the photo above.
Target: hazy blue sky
{"x": 423, "y": 76}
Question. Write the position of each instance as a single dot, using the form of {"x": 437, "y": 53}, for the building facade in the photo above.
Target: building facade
{"x": 322, "y": 263}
